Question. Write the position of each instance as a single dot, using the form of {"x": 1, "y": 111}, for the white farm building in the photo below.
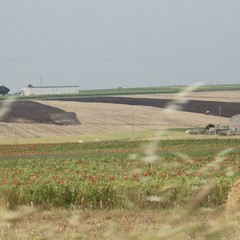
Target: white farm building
{"x": 49, "y": 90}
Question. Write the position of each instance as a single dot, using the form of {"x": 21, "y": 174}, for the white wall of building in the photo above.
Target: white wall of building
{"x": 45, "y": 90}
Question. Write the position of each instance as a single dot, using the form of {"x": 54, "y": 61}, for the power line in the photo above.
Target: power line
{"x": 119, "y": 49}
{"x": 118, "y": 60}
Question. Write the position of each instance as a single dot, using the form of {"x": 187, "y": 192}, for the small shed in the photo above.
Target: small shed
{"x": 234, "y": 123}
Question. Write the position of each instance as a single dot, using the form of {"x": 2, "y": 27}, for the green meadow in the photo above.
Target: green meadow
{"x": 117, "y": 174}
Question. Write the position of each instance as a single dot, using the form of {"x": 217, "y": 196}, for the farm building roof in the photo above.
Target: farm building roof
{"x": 50, "y": 86}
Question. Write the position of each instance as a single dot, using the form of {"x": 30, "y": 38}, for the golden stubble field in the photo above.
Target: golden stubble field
{"x": 103, "y": 118}
{"x": 222, "y": 96}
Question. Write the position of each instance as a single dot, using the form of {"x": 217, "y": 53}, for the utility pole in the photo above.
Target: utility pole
{"x": 14, "y": 135}
{"x": 41, "y": 81}
{"x": 220, "y": 114}
{"x": 133, "y": 128}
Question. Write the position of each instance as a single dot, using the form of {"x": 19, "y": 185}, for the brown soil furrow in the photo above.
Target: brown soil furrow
{"x": 226, "y": 109}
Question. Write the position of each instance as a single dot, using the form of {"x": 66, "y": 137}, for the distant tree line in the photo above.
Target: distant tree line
{"x": 4, "y": 90}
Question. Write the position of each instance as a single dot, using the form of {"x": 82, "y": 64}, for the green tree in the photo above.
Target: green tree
{"x": 4, "y": 90}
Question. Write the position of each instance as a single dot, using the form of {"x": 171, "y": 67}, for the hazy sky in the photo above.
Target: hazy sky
{"x": 119, "y": 43}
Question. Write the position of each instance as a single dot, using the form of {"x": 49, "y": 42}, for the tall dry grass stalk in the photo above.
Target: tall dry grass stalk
{"x": 233, "y": 203}
{"x": 181, "y": 99}
{"x": 233, "y": 211}
{"x": 6, "y": 106}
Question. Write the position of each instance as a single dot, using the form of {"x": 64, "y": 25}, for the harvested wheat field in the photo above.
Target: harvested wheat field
{"x": 104, "y": 118}
{"x": 224, "y": 96}
{"x": 107, "y": 118}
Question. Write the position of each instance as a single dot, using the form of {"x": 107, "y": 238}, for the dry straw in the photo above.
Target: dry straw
{"x": 6, "y": 106}
{"x": 233, "y": 211}
{"x": 233, "y": 204}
